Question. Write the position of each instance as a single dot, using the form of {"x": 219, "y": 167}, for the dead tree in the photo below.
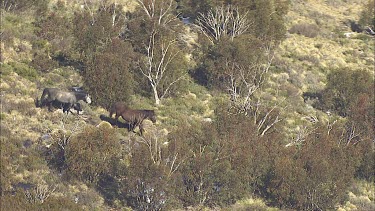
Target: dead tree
{"x": 159, "y": 10}
{"x": 222, "y": 21}
{"x": 161, "y": 47}
{"x": 156, "y": 64}
{"x": 242, "y": 85}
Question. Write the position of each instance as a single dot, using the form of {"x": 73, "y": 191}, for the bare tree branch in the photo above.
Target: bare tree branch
{"x": 155, "y": 67}
{"x": 222, "y": 21}
{"x": 301, "y": 135}
{"x": 350, "y": 135}
{"x": 40, "y": 193}
{"x": 243, "y": 82}
{"x": 160, "y": 9}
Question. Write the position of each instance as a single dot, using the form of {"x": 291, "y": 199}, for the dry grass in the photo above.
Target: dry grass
{"x": 329, "y": 13}
{"x": 129, "y": 5}
{"x": 251, "y": 204}
{"x": 303, "y": 61}
{"x": 361, "y": 197}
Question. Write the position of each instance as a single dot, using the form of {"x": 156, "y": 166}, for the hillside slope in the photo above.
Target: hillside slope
{"x": 315, "y": 45}
{"x": 319, "y": 40}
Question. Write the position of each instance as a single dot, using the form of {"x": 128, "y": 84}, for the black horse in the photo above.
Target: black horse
{"x": 133, "y": 117}
{"x": 66, "y": 107}
{"x": 66, "y": 99}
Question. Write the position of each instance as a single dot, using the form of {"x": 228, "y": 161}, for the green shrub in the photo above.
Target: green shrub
{"x": 226, "y": 160}
{"x": 146, "y": 185}
{"x": 306, "y": 180}
{"x": 8, "y": 29}
{"x": 92, "y": 153}
{"x": 367, "y": 14}
{"x": 6, "y": 69}
{"x": 23, "y": 5}
{"x": 19, "y": 201}
{"x": 344, "y": 87}
{"x": 43, "y": 63}
{"x": 25, "y": 71}
{"x": 366, "y": 155}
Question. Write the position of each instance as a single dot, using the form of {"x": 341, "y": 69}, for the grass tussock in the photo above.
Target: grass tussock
{"x": 361, "y": 197}
{"x": 251, "y": 204}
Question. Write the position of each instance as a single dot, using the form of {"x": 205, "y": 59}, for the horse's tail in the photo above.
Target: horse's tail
{"x": 37, "y": 102}
{"x": 42, "y": 98}
{"x": 112, "y": 110}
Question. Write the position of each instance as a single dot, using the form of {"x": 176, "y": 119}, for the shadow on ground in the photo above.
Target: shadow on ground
{"x": 112, "y": 121}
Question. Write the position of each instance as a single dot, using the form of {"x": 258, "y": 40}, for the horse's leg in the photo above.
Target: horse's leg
{"x": 111, "y": 113}
{"x": 50, "y": 106}
{"x": 141, "y": 130}
{"x": 66, "y": 108}
{"x": 132, "y": 125}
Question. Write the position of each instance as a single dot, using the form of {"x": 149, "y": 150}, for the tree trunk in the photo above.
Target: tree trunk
{"x": 156, "y": 96}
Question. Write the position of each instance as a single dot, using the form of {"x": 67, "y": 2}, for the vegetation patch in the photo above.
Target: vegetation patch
{"x": 242, "y": 109}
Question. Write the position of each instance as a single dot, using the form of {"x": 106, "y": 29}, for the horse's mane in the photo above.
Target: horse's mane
{"x": 149, "y": 112}
{"x": 80, "y": 94}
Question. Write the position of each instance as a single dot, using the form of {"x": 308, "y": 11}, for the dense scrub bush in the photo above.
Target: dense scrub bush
{"x": 345, "y": 88}
{"x": 107, "y": 75}
{"x": 93, "y": 32}
{"x": 225, "y": 162}
{"x": 228, "y": 57}
{"x": 366, "y": 156}
{"x": 92, "y": 153}
{"x": 108, "y": 60}
{"x": 155, "y": 35}
{"x": 307, "y": 30}
{"x": 266, "y": 16}
{"x": 56, "y": 28}
{"x": 367, "y": 15}
{"x": 314, "y": 176}
{"x": 17, "y": 6}
{"x": 206, "y": 178}
{"x": 348, "y": 93}
{"x": 9, "y": 32}
{"x": 228, "y": 160}
{"x": 54, "y": 39}
{"x": 43, "y": 63}
{"x": 146, "y": 185}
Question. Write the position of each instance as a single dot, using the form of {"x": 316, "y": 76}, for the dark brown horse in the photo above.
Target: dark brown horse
{"x": 133, "y": 117}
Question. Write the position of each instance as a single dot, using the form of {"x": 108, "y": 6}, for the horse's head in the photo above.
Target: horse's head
{"x": 152, "y": 116}
{"x": 88, "y": 99}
